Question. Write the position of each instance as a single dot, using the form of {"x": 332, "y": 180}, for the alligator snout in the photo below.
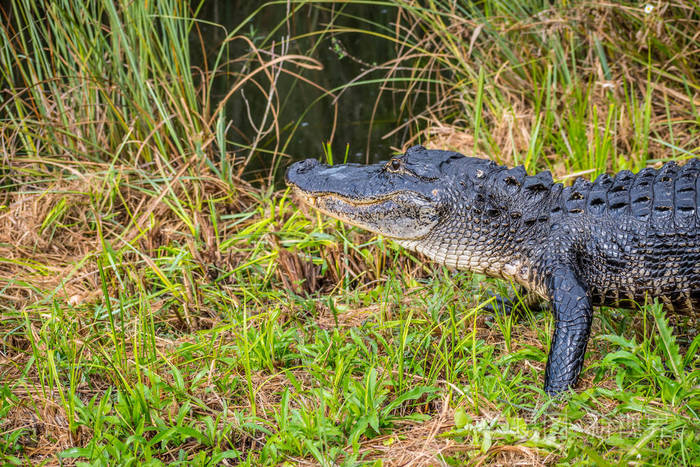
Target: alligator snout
{"x": 299, "y": 168}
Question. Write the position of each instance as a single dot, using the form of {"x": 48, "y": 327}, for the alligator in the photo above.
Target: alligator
{"x": 617, "y": 241}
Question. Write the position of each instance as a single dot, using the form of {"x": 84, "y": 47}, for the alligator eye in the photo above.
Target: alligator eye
{"x": 395, "y": 164}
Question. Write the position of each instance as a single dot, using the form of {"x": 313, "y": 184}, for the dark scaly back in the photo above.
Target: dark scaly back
{"x": 667, "y": 200}
{"x": 687, "y": 197}
{"x": 665, "y": 204}
{"x": 526, "y": 199}
{"x": 660, "y": 210}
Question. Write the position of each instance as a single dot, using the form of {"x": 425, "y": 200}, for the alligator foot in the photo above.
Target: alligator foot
{"x": 515, "y": 303}
{"x": 502, "y": 304}
{"x": 573, "y": 316}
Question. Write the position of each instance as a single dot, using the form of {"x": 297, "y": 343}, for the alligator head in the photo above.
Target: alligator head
{"x": 406, "y": 198}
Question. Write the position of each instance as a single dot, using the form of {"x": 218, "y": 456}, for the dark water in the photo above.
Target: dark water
{"x": 306, "y": 116}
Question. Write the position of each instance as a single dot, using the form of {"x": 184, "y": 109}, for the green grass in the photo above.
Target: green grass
{"x": 155, "y": 307}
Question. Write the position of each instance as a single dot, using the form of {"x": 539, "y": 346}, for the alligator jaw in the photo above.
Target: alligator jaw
{"x": 398, "y": 215}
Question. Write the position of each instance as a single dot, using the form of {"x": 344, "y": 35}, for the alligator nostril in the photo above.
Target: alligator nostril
{"x": 300, "y": 168}
{"x": 305, "y": 165}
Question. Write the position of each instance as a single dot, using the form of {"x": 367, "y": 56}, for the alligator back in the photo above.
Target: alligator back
{"x": 639, "y": 234}
{"x": 645, "y": 235}
{"x": 667, "y": 200}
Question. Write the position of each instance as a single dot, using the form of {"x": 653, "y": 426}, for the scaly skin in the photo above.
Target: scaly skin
{"x": 615, "y": 241}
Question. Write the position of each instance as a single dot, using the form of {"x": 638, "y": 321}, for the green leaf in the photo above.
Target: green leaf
{"x": 413, "y": 394}
{"x": 624, "y": 358}
{"x": 668, "y": 340}
{"x": 692, "y": 352}
{"x": 619, "y": 340}
{"x": 460, "y": 417}
{"x": 75, "y": 452}
{"x": 192, "y": 433}
{"x": 486, "y": 442}
{"x": 374, "y": 422}
{"x": 230, "y": 454}
{"x": 164, "y": 435}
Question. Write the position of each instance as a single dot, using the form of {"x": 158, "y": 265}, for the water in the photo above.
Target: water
{"x": 306, "y": 116}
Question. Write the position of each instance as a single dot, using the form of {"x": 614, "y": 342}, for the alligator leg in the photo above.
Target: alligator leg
{"x": 572, "y": 326}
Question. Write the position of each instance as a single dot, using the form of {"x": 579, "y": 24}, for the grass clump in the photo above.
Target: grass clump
{"x": 156, "y": 307}
{"x": 574, "y": 86}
